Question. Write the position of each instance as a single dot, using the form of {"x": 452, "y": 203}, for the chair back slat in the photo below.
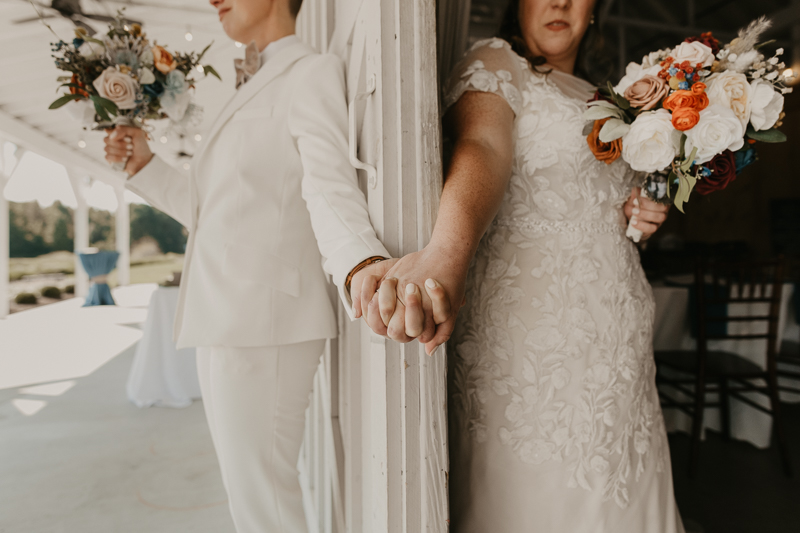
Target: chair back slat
{"x": 724, "y": 292}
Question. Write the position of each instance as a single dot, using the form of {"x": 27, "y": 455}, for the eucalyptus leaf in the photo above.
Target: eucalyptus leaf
{"x": 613, "y": 130}
{"x": 64, "y": 100}
{"x": 601, "y": 112}
{"x": 687, "y": 183}
{"x": 672, "y": 178}
{"x": 99, "y": 109}
{"x": 106, "y": 104}
{"x": 204, "y": 51}
{"x": 208, "y": 69}
{"x": 687, "y": 164}
{"x": 768, "y": 136}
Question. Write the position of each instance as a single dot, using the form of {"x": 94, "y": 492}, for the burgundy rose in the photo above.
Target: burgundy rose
{"x": 723, "y": 171}
{"x": 707, "y": 39}
{"x": 597, "y": 96}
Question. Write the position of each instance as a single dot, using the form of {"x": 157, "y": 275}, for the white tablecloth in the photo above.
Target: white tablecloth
{"x": 161, "y": 375}
{"x": 672, "y": 331}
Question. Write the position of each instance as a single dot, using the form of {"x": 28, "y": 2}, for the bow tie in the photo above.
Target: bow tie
{"x": 247, "y": 67}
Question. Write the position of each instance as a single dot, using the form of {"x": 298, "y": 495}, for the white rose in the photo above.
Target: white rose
{"x": 651, "y": 143}
{"x": 91, "y": 51}
{"x": 731, "y": 90}
{"x": 655, "y": 58}
{"x": 117, "y": 87}
{"x": 146, "y": 76}
{"x": 766, "y": 105}
{"x": 694, "y": 53}
{"x": 633, "y": 73}
{"x": 717, "y": 130}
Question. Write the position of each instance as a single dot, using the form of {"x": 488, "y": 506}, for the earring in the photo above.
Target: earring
{"x": 591, "y": 20}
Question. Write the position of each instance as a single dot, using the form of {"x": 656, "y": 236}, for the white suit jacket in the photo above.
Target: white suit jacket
{"x": 271, "y": 188}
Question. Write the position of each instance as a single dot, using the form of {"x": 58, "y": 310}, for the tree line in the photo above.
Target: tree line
{"x": 36, "y": 230}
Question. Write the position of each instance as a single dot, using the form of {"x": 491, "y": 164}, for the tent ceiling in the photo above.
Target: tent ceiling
{"x": 28, "y": 80}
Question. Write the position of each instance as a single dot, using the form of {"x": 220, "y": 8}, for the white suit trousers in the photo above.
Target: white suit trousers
{"x": 255, "y": 401}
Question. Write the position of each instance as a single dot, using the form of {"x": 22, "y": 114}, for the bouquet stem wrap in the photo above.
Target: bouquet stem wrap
{"x": 655, "y": 187}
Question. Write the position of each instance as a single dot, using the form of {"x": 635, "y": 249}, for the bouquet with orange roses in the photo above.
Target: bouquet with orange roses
{"x": 119, "y": 77}
{"x": 687, "y": 116}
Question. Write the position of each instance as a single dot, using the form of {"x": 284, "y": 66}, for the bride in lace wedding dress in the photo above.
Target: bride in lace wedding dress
{"x": 555, "y": 418}
{"x": 555, "y": 422}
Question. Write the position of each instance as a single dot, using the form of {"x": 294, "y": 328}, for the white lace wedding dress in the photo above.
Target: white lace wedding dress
{"x": 555, "y": 420}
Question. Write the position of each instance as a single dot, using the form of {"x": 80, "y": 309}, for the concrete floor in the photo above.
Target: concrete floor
{"x": 76, "y": 456}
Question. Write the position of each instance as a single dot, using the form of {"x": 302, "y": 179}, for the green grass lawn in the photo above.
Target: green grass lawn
{"x": 149, "y": 270}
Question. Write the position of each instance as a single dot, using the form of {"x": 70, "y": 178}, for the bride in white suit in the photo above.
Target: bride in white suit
{"x": 271, "y": 195}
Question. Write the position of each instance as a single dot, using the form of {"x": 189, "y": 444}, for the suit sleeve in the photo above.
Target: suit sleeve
{"x": 165, "y": 188}
{"x": 339, "y": 214}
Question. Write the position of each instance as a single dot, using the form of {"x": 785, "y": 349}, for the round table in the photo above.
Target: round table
{"x": 162, "y": 376}
{"x": 672, "y": 331}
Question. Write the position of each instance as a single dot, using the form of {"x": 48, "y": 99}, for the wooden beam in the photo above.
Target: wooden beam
{"x": 37, "y": 141}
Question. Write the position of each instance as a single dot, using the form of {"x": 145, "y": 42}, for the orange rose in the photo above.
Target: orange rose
{"x": 685, "y": 118}
{"x": 605, "y": 152}
{"x": 163, "y": 60}
{"x": 680, "y": 99}
{"x": 699, "y": 91}
{"x": 76, "y": 90}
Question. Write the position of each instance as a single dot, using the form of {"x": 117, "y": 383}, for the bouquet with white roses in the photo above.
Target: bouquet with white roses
{"x": 688, "y": 116}
{"x": 121, "y": 78}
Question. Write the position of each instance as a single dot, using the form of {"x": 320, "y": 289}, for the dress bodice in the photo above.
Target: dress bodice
{"x": 556, "y": 181}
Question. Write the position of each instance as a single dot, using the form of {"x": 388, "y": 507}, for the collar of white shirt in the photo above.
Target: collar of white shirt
{"x": 276, "y": 46}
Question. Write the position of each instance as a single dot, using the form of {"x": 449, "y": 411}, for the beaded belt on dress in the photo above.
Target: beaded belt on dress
{"x": 557, "y": 226}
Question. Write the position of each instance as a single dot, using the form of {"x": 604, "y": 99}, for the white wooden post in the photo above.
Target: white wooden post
{"x": 404, "y": 428}
{"x": 5, "y": 174}
{"x": 80, "y": 184}
{"x": 123, "y": 238}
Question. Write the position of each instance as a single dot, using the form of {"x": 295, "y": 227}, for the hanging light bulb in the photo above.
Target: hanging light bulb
{"x": 238, "y": 44}
{"x": 189, "y": 35}
{"x": 198, "y": 137}
{"x": 163, "y": 139}
{"x": 81, "y": 144}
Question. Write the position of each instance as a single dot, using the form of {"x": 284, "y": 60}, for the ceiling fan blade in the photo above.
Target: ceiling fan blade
{"x": 81, "y": 24}
{"x": 33, "y": 19}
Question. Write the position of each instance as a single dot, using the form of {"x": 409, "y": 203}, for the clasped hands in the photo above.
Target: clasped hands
{"x": 415, "y": 297}
{"x": 419, "y": 295}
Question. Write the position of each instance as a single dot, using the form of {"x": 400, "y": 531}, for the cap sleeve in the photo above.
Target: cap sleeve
{"x": 490, "y": 66}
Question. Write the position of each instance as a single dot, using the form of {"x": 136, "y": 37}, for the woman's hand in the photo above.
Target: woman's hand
{"x": 420, "y": 298}
{"x": 644, "y": 214}
{"x": 125, "y": 142}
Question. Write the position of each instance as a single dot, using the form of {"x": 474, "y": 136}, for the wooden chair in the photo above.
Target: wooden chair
{"x": 695, "y": 374}
{"x": 789, "y": 350}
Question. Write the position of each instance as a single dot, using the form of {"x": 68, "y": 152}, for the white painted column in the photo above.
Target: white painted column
{"x": 5, "y": 173}
{"x": 80, "y": 184}
{"x": 123, "y": 239}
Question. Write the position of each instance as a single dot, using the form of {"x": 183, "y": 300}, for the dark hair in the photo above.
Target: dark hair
{"x": 592, "y": 63}
{"x": 294, "y": 6}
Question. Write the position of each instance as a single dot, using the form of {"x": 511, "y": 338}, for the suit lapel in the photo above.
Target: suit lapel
{"x": 274, "y": 67}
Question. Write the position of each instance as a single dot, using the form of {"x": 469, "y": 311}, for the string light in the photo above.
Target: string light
{"x": 189, "y": 35}
{"x": 238, "y": 44}
{"x": 200, "y": 68}
{"x": 81, "y": 144}
{"x": 788, "y": 73}
{"x": 163, "y": 139}
{"x": 187, "y": 166}
{"x": 198, "y": 137}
